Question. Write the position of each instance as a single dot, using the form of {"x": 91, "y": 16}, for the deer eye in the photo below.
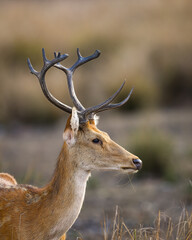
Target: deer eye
{"x": 97, "y": 140}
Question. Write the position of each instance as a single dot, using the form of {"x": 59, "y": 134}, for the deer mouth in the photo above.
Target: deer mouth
{"x": 129, "y": 169}
{"x": 137, "y": 163}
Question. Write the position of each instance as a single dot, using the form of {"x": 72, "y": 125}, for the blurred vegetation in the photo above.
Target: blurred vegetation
{"x": 93, "y": 183}
{"x": 30, "y": 176}
{"x": 188, "y": 193}
{"x": 16, "y": 53}
{"x": 157, "y": 152}
{"x": 173, "y": 73}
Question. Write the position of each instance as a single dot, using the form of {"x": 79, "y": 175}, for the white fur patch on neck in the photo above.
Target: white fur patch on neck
{"x": 96, "y": 119}
{"x": 74, "y": 121}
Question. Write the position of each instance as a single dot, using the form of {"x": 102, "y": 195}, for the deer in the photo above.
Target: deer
{"x": 47, "y": 213}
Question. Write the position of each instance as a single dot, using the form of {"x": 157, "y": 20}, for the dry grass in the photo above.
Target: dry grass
{"x": 164, "y": 229}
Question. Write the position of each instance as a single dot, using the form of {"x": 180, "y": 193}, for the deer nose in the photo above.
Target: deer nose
{"x": 138, "y": 163}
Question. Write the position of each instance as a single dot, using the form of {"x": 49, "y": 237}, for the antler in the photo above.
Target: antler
{"x": 69, "y": 72}
{"x": 41, "y": 76}
{"x": 84, "y": 114}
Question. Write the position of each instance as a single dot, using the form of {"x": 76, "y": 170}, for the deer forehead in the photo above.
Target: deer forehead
{"x": 92, "y": 131}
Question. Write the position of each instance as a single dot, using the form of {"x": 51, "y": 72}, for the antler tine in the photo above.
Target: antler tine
{"x": 41, "y": 76}
{"x": 69, "y": 72}
{"x": 115, "y": 105}
{"x": 59, "y": 65}
{"x": 81, "y": 60}
{"x": 32, "y": 70}
{"x": 104, "y": 104}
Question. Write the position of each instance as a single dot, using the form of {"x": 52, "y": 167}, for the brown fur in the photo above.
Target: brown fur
{"x": 31, "y": 213}
{"x": 18, "y": 204}
{"x": 7, "y": 177}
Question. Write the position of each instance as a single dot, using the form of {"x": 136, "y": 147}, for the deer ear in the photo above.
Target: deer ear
{"x": 70, "y": 133}
{"x": 74, "y": 121}
{"x": 69, "y": 137}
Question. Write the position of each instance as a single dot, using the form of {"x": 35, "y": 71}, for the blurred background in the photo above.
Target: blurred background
{"x": 148, "y": 44}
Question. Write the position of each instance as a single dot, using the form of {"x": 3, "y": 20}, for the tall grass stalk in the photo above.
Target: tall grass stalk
{"x": 165, "y": 228}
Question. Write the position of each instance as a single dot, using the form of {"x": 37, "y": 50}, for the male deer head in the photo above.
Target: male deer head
{"x": 94, "y": 148}
{"x": 31, "y": 213}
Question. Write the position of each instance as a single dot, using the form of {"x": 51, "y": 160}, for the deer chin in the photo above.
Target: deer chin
{"x": 129, "y": 170}
{"x": 120, "y": 169}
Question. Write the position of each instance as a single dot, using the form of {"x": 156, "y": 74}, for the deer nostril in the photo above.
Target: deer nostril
{"x": 138, "y": 163}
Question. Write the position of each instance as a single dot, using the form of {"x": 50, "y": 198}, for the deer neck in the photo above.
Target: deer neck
{"x": 65, "y": 193}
